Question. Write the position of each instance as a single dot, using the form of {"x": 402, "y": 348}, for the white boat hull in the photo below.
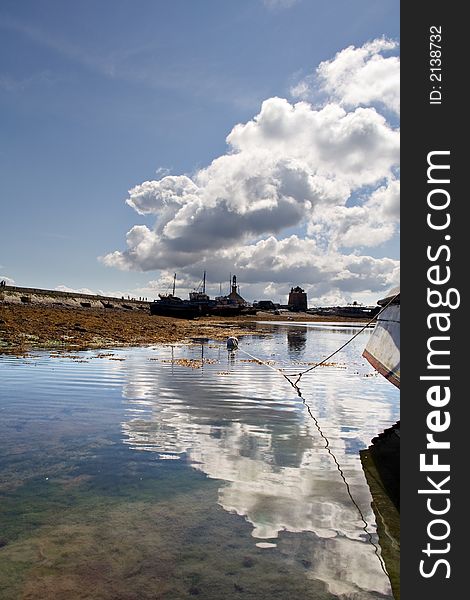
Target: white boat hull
{"x": 383, "y": 347}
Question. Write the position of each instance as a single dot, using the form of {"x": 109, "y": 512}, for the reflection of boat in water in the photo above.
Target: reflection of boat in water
{"x": 381, "y": 466}
{"x": 381, "y": 461}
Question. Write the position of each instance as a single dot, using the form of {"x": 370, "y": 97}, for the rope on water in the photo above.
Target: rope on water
{"x": 374, "y": 318}
{"x": 343, "y": 477}
{"x": 295, "y": 384}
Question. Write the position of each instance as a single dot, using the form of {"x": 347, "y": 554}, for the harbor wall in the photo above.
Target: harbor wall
{"x": 39, "y": 297}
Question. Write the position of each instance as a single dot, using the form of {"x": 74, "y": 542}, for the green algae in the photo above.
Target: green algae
{"x": 86, "y": 513}
{"x": 98, "y": 532}
{"x": 166, "y": 542}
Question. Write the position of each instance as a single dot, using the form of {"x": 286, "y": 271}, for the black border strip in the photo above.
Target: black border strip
{"x": 430, "y": 127}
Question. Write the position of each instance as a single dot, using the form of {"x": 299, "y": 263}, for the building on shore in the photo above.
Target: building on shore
{"x": 234, "y": 296}
{"x": 297, "y": 299}
{"x": 265, "y": 305}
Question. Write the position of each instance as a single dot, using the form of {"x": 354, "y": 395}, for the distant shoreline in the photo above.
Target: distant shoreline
{"x": 26, "y": 327}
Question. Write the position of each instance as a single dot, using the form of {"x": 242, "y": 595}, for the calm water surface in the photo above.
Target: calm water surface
{"x": 189, "y": 471}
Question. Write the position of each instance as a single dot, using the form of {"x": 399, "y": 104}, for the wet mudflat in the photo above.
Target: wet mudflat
{"x": 188, "y": 471}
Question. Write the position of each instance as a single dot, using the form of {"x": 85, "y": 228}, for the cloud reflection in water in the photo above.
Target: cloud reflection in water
{"x": 242, "y": 424}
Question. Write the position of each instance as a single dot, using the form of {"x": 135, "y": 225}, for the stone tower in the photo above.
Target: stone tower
{"x": 297, "y": 299}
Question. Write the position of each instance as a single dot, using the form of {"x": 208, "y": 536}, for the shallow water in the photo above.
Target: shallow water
{"x": 181, "y": 471}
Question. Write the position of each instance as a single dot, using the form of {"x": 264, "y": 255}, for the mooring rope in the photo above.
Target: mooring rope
{"x": 343, "y": 477}
{"x": 323, "y": 361}
{"x": 374, "y": 318}
{"x": 295, "y": 384}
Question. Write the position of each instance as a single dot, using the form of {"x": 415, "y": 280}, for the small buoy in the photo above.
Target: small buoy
{"x": 232, "y": 343}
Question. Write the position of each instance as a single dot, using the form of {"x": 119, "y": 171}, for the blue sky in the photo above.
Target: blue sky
{"x": 97, "y": 97}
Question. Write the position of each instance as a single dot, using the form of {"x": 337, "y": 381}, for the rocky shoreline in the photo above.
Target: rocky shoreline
{"x": 28, "y": 327}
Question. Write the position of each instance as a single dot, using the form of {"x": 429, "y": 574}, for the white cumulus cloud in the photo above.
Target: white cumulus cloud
{"x": 328, "y": 172}
{"x": 357, "y": 77}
